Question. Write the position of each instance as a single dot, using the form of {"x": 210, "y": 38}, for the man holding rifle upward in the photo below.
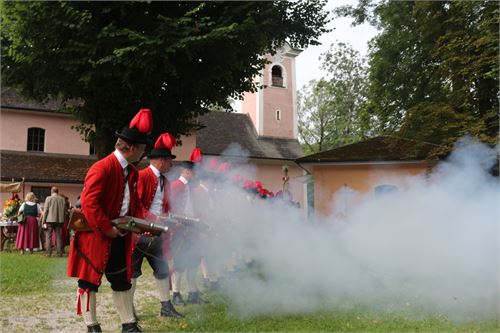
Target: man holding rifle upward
{"x": 109, "y": 192}
{"x": 153, "y": 189}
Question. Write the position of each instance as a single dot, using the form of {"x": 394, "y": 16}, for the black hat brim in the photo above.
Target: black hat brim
{"x": 131, "y": 135}
{"x": 187, "y": 165}
{"x": 161, "y": 152}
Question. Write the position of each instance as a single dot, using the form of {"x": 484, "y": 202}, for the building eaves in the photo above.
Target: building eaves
{"x": 378, "y": 149}
{"x": 12, "y": 99}
{"x": 44, "y": 167}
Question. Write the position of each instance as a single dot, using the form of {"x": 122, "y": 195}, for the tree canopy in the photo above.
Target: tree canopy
{"x": 433, "y": 69}
{"x": 332, "y": 109}
{"x": 176, "y": 58}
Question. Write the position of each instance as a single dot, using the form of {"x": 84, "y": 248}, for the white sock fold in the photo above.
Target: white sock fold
{"x": 164, "y": 288}
{"x": 191, "y": 279}
{"x": 176, "y": 281}
{"x": 89, "y": 317}
{"x": 124, "y": 306}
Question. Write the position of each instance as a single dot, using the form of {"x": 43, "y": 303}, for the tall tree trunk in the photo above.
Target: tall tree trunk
{"x": 104, "y": 141}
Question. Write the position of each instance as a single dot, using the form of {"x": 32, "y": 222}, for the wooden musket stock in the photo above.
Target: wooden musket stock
{"x": 78, "y": 222}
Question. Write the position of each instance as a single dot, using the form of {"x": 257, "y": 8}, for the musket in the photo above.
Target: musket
{"x": 78, "y": 222}
{"x": 138, "y": 225}
{"x": 174, "y": 219}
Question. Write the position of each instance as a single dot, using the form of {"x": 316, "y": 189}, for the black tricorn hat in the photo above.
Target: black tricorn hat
{"x": 187, "y": 165}
{"x": 160, "y": 152}
{"x": 132, "y": 135}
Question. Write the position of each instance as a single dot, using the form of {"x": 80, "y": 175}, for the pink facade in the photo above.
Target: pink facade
{"x": 279, "y": 99}
{"x": 183, "y": 152}
{"x": 59, "y": 137}
{"x": 271, "y": 175}
{"x": 249, "y": 106}
{"x": 273, "y": 109}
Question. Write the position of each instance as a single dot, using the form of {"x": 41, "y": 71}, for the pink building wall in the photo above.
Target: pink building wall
{"x": 59, "y": 137}
{"x": 183, "y": 152}
{"x": 279, "y": 98}
{"x": 249, "y": 106}
{"x": 271, "y": 177}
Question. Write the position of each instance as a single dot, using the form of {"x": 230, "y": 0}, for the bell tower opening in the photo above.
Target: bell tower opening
{"x": 277, "y": 76}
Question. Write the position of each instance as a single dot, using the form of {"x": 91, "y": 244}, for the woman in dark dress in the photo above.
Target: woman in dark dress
{"x": 27, "y": 232}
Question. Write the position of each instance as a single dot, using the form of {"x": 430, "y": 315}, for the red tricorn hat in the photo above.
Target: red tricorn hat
{"x": 139, "y": 128}
{"x": 224, "y": 167}
{"x": 143, "y": 121}
{"x": 196, "y": 155}
{"x": 163, "y": 146}
{"x": 166, "y": 140}
{"x": 237, "y": 178}
{"x": 213, "y": 165}
{"x": 257, "y": 184}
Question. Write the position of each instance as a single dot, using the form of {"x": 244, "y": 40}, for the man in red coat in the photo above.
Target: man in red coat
{"x": 184, "y": 240}
{"x": 153, "y": 189}
{"x": 109, "y": 192}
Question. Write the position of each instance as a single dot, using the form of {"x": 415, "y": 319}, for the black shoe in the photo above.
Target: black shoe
{"x": 131, "y": 328}
{"x": 214, "y": 285}
{"x": 194, "y": 298}
{"x": 94, "y": 328}
{"x": 177, "y": 299}
{"x": 168, "y": 310}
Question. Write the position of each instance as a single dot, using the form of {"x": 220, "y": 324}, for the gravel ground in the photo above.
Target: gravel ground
{"x": 56, "y": 312}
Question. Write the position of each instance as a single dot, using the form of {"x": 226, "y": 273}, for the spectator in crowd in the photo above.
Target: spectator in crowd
{"x": 54, "y": 216}
{"x": 27, "y": 231}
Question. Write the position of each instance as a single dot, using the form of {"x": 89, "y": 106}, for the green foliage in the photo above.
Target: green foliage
{"x": 177, "y": 58}
{"x": 433, "y": 57}
{"x": 331, "y": 110}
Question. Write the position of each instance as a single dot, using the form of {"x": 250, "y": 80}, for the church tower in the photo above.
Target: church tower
{"x": 273, "y": 110}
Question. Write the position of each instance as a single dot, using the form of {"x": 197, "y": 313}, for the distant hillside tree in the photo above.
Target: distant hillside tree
{"x": 433, "y": 69}
{"x": 331, "y": 110}
{"x": 175, "y": 57}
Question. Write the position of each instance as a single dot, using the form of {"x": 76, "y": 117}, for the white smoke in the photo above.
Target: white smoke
{"x": 430, "y": 248}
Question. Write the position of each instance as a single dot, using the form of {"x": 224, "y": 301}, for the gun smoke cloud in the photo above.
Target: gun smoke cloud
{"x": 430, "y": 248}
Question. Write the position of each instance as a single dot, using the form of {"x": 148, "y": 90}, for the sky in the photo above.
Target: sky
{"x": 308, "y": 63}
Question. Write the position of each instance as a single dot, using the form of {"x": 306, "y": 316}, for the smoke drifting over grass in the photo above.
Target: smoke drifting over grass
{"x": 430, "y": 248}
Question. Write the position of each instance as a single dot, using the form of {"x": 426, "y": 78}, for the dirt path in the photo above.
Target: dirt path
{"x": 56, "y": 312}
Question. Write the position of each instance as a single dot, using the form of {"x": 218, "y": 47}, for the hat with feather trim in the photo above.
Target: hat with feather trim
{"x": 139, "y": 128}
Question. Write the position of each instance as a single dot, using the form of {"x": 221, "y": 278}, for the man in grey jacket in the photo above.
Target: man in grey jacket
{"x": 54, "y": 215}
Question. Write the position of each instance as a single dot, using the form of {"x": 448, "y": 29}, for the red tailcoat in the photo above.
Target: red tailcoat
{"x": 101, "y": 202}
{"x": 146, "y": 187}
{"x": 183, "y": 243}
{"x": 201, "y": 202}
{"x": 178, "y": 195}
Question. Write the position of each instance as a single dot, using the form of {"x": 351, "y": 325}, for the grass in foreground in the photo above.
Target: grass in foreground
{"x": 34, "y": 277}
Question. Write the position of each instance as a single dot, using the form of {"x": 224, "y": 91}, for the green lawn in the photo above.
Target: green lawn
{"x": 30, "y": 284}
